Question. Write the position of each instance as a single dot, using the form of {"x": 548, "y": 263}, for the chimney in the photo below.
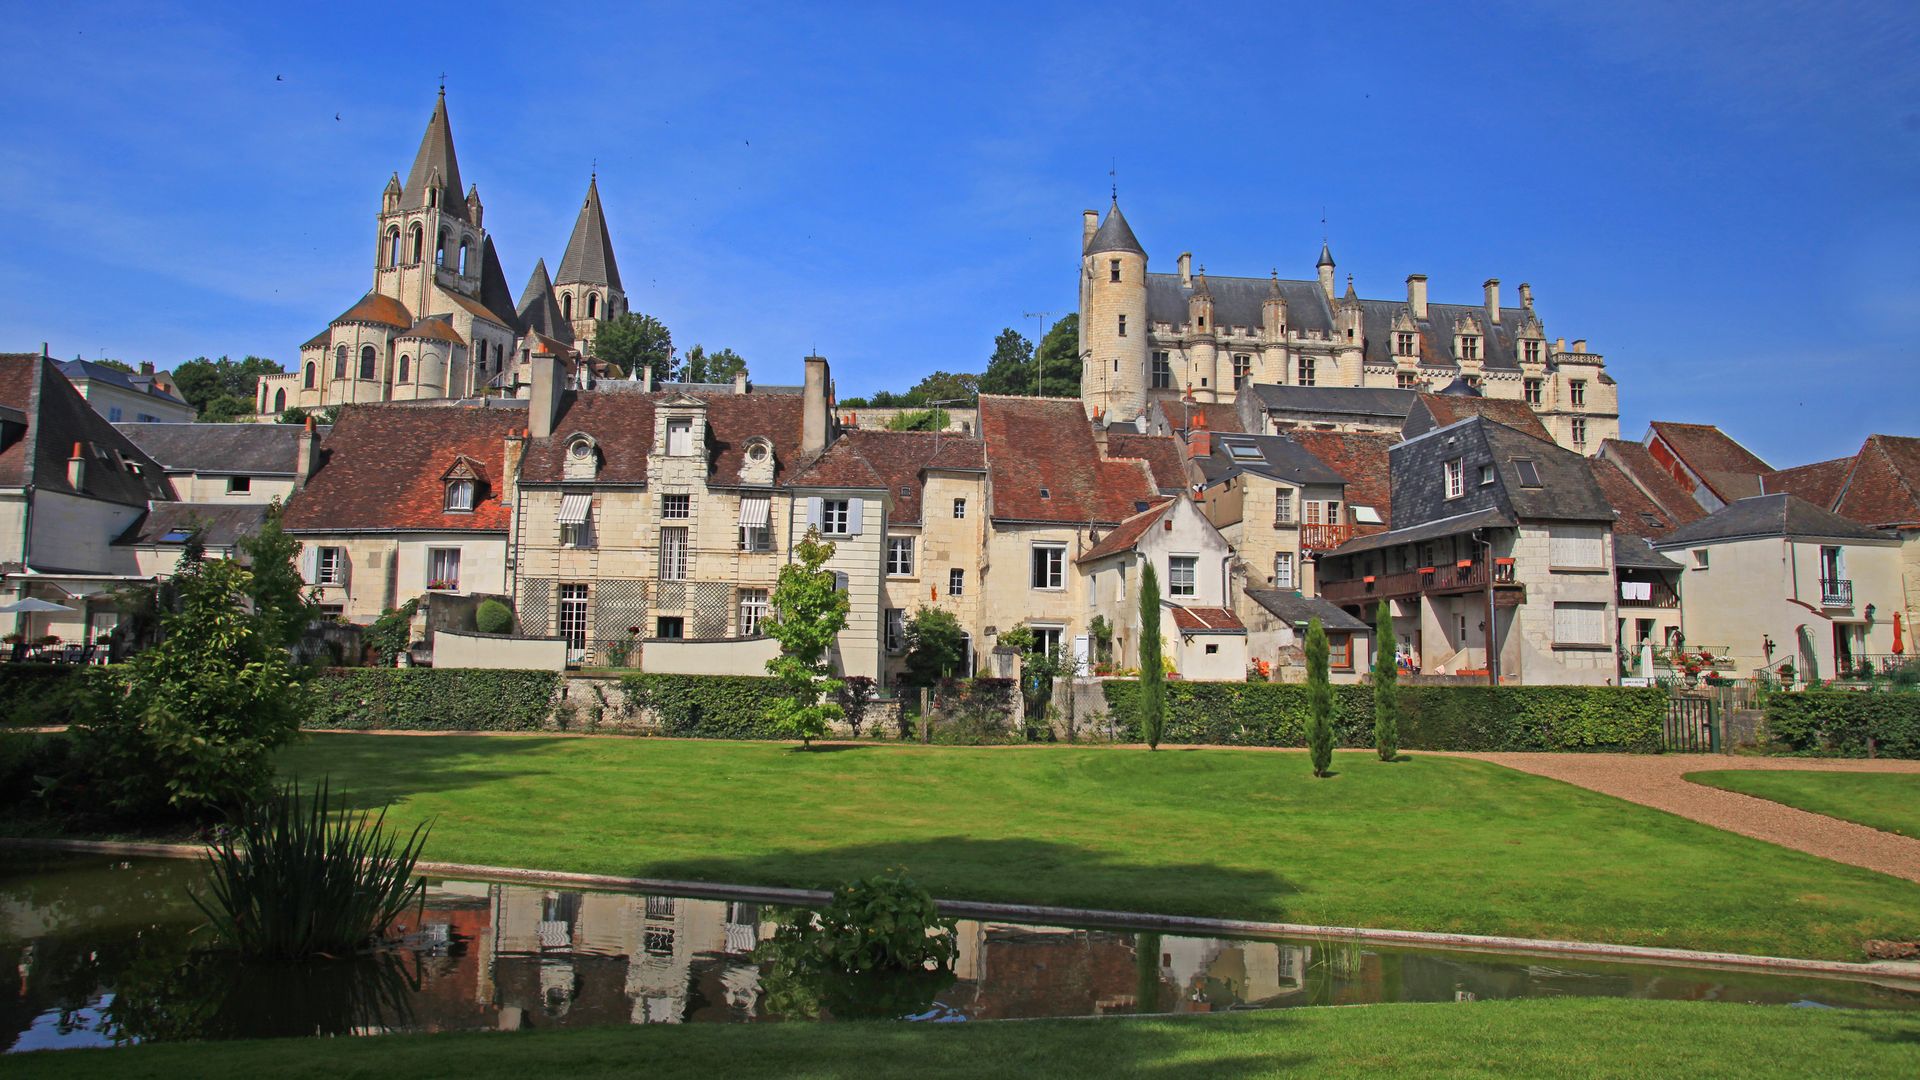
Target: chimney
{"x": 815, "y": 410}
{"x": 146, "y": 367}
{"x": 1089, "y": 224}
{"x": 646, "y": 378}
{"x": 1186, "y": 269}
{"x": 1417, "y": 294}
{"x": 77, "y": 467}
{"x": 306, "y": 455}
{"x": 543, "y": 408}
{"x": 515, "y": 451}
{"x": 739, "y": 382}
{"x": 1559, "y": 344}
{"x": 1526, "y": 296}
{"x": 1099, "y": 435}
{"x": 1199, "y": 439}
{"x": 1580, "y": 345}
{"x": 1492, "y": 285}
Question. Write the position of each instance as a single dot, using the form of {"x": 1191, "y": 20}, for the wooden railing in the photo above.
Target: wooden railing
{"x": 1324, "y": 537}
{"x": 1660, "y": 594}
{"x": 1433, "y": 579}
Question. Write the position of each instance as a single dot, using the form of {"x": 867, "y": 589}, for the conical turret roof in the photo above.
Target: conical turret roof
{"x": 435, "y": 165}
{"x": 589, "y": 258}
{"x": 539, "y": 311}
{"x": 1114, "y": 235}
{"x": 1326, "y": 255}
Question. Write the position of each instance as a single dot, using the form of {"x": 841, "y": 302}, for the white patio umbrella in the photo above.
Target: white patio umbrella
{"x": 33, "y": 605}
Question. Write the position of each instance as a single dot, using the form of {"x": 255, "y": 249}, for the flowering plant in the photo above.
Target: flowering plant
{"x": 443, "y": 585}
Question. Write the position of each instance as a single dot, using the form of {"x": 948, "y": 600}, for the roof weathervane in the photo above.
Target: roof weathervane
{"x": 1113, "y": 176}
{"x": 443, "y": 84}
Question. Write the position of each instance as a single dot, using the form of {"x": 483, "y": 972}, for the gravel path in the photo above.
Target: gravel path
{"x": 1656, "y": 780}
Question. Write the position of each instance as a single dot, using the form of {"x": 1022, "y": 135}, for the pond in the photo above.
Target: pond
{"x": 105, "y": 954}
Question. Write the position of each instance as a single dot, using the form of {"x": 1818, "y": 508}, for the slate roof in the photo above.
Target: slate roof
{"x": 1207, "y": 620}
{"x": 1636, "y": 553}
{"x": 1237, "y": 301}
{"x": 1567, "y": 490}
{"x": 378, "y": 310}
{"x": 620, "y": 421}
{"x": 1819, "y": 483}
{"x": 1730, "y": 470}
{"x": 139, "y": 384}
{"x": 436, "y": 158}
{"x": 539, "y": 312}
{"x": 477, "y": 309}
{"x": 1371, "y": 402}
{"x": 1363, "y": 460}
{"x": 1761, "y": 516}
{"x": 56, "y": 417}
{"x": 1281, "y": 458}
{"x": 1637, "y": 464}
{"x": 244, "y": 449}
{"x": 219, "y": 525}
{"x": 1883, "y": 490}
{"x": 1114, "y": 235}
{"x": 495, "y": 293}
{"x": 383, "y": 468}
{"x": 1126, "y": 534}
{"x": 1160, "y": 452}
{"x": 589, "y": 256}
{"x": 1036, "y": 444}
{"x": 894, "y": 460}
{"x": 1296, "y": 610}
{"x": 1435, "y": 410}
{"x": 1486, "y": 518}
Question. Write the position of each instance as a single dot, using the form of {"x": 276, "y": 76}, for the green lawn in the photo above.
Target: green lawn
{"x": 1573, "y": 1038}
{"x": 1887, "y": 801}
{"x": 1432, "y": 843}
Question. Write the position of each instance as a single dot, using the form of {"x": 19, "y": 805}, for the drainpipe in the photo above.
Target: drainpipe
{"x": 1493, "y": 625}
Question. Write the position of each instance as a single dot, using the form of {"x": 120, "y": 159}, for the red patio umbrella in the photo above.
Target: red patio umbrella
{"x": 1897, "y": 647}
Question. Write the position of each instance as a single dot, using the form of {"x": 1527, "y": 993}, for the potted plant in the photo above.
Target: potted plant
{"x": 1786, "y": 673}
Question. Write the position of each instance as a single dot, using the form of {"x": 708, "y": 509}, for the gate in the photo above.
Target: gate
{"x": 1690, "y": 724}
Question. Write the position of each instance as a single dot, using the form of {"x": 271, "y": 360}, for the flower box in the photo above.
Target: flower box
{"x": 1426, "y": 569}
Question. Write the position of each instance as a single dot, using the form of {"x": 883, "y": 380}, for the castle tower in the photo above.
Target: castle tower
{"x": 588, "y": 284}
{"x": 1203, "y": 352}
{"x": 1273, "y": 334}
{"x": 428, "y": 233}
{"x": 1114, "y": 374}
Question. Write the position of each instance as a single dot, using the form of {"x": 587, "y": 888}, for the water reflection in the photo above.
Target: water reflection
{"x": 103, "y": 953}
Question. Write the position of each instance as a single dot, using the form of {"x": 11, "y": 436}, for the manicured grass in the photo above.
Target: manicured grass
{"x": 1579, "y": 1037}
{"x": 1885, "y": 801}
{"x": 1432, "y": 843}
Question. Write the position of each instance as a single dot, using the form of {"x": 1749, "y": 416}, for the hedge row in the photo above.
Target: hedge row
{"x": 40, "y": 695}
{"x": 706, "y": 706}
{"x": 1839, "y": 722}
{"x": 1590, "y": 718}
{"x": 433, "y": 699}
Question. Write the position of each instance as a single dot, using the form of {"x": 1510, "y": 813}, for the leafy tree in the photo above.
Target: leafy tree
{"x": 1059, "y": 359}
{"x": 391, "y": 633}
{"x": 1386, "y": 686}
{"x": 1153, "y": 685}
{"x": 1010, "y": 368}
{"x": 946, "y": 386}
{"x": 1319, "y": 700}
{"x": 700, "y": 366}
{"x": 201, "y": 382}
{"x": 808, "y": 612}
{"x": 1053, "y": 370}
{"x": 920, "y": 420}
{"x": 1038, "y": 669}
{"x": 936, "y": 647}
{"x": 118, "y": 365}
{"x": 192, "y": 725}
{"x": 280, "y": 596}
{"x": 298, "y": 415}
{"x": 631, "y": 341}
{"x": 226, "y": 409}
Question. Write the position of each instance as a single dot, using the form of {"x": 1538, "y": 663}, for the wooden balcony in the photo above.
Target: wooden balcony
{"x": 1431, "y": 581}
{"x": 1659, "y": 595}
{"x": 1323, "y": 537}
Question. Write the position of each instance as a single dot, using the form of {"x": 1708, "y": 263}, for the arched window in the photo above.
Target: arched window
{"x": 279, "y": 401}
{"x": 440, "y": 253}
{"x": 312, "y": 373}
{"x": 393, "y": 246}
{"x": 433, "y": 197}
{"x": 419, "y": 244}
{"x": 367, "y": 360}
{"x": 463, "y": 258}
{"x": 340, "y": 362}
{"x": 406, "y": 362}
{"x": 566, "y": 306}
{"x": 593, "y": 305}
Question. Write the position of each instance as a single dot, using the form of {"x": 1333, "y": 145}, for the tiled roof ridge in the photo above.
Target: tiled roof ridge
{"x": 1878, "y": 442}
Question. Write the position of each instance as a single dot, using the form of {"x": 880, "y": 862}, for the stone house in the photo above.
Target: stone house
{"x": 1200, "y": 633}
{"x": 224, "y": 464}
{"x": 1774, "y": 579}
{"x": 1499, "y": 559}
{"x": 1277, "y": 635}
{"x": 143, "y": 397}
{"x": 1647, "y": 583}
{"x": 1276, "y": 504}
{"x": 1147, "y": 336}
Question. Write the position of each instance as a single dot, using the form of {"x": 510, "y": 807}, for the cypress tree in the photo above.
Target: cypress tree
{"x": 1153, "y": 686}
{"x": 1319, "y": 700}
{"x": 1386, "y": 686}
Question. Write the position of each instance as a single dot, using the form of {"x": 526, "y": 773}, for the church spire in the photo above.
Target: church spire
{"x": 539, "y": 311}
{"x": 434, "y": 179}
{"x": 589, "y": 256}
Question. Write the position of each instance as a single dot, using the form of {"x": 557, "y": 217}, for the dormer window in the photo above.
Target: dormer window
{"x": 1403, "y": 344}
{"x": 757, "y": 452}
{"x": 1469, "y": 347}
{"x": 679, "y": 438}
{"x": 1532, "y": 352}
{"x": 581, "y": 449}
{"x": 459, "y": 496}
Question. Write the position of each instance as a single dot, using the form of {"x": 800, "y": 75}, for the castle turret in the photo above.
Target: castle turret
{"x": 1203, "y": 354}
{"x": 1114, "y": 375}
{"x": 1325, "y": 267}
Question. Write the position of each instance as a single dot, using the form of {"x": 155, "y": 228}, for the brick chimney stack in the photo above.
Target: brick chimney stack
{"x": 1492, "y": 285}
{"x": 77, "y": 467}
{"x": 1417, "y": 294}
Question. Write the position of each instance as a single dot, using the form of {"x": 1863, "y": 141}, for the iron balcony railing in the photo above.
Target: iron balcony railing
{"x": 1836, "y": 592}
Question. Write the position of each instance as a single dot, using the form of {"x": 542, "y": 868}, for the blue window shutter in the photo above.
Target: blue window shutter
{"x": 854, "y": 509}
{"x": 813, "y": 513}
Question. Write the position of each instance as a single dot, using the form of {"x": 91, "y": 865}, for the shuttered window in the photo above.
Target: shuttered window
{"x": 1577, "y": 547}
{"x": 1579, "y": 624}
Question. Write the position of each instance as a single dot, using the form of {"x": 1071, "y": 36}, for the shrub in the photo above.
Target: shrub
{"x": 879, "y": 949}
{"x": 856, "y": 691}
{"x": 708, "y": 706}
{"x": 41, "y": 695}
{"x": 493, "y": 617}
{"x": 1587, "y": 718}
{"x": 287, "y": 883}
{"x": 1386, "y": 686}
{"x": 391, "y": 633}
{"x": 1319, "y": 700}
{"x": 433, "y": 699}
{"x": 973, "y": 712}
{"x": 1840, "y": 722}
{"x": 1152, "y": 708}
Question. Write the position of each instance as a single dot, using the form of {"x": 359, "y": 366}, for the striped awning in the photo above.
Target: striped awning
{"x": 753, "y": 511}
{"x": 574, "y": 509}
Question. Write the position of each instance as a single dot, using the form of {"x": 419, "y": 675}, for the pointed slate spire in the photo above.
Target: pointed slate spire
{"x": 1273, "y": 285}
{"x": 1351, "y": 297}
{"x": 589, "y": 257}
{"x": 435, "y": 166}
{"x": 1114, "y": 235}
{"x": 539, "y": 311}
{"x": 1326, "y": 255}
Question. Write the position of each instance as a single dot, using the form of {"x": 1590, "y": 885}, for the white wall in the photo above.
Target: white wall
{"x": 451, "y": 650}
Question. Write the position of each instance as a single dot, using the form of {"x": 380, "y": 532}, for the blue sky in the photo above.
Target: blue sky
{"x": 1725, "y": 200}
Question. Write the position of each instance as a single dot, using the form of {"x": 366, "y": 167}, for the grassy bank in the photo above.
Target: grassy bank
{"x": 1580, "y": 1037}
{"x": 1885, "y": 801}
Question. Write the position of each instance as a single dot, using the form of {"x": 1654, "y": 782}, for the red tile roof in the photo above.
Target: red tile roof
{"x": 1819, "y": 483}
{"x": 1730, "y": 470}
{"x": 1360, "y": 458}
{"x": 1884, "y": 490}
{"x": 894, "y": 460}
{"x": 57, "y": 417}
{"x": 382, "y": 467}
{"x": 621, "y": 423}
{"x": 1639, "y": 515}
{"x": 1653, "y": 481}
{"x": 1518, "y": 415}
{"x": 434, "y": 328}
{"x": 379, "y": 310}
{"x": 1203, "y": 620}
{"x": 1126, "y": 534}
{"x": 1160, "y": 452}
{"x": 1220, "y": 416}
{"x": 1046, "y": 444}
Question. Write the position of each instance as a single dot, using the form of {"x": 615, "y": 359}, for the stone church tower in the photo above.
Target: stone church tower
{"x": 588, "y": 285}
